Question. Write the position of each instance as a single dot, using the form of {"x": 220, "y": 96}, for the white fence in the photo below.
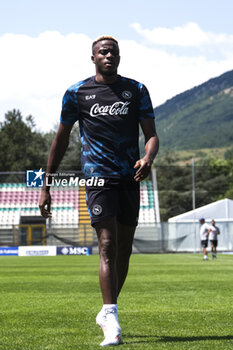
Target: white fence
{"x": 179, "y": 237}
{"x": 153, "y": 238}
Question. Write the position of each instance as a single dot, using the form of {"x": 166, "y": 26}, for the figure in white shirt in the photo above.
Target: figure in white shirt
{"x": 204, "y": 233}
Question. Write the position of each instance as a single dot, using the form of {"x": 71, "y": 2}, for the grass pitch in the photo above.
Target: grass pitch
{"x": 168, "y": 302}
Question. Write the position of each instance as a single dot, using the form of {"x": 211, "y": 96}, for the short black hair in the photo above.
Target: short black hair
{"x": 103, "y": 37}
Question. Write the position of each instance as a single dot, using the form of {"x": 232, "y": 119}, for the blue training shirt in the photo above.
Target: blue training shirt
{"x": 109, "y": 116}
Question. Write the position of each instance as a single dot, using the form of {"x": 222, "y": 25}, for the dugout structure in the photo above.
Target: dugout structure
{"x": 30, "y": 231}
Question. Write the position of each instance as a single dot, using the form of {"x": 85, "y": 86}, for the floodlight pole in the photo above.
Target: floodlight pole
{"x": 194, "y": 201}
{"x": 193, "y": 184}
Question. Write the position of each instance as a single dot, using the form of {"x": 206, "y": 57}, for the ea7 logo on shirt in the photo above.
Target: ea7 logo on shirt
{"x": 97, "y": 209}
{"x": 126, "y": 94}
{"x": 90, "y": 97}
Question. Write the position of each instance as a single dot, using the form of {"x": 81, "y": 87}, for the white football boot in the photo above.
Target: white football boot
{"x": 112, "y": 329}
{"x": 112, "y": 340}
{"x": 101, "y": 320}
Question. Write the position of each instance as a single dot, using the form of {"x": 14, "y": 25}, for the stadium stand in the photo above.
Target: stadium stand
{"x": 17, "y": 200}
{"x": 85, "y": 228}
{"x": 70, "y": 218}
{"x": 147, "y": 208}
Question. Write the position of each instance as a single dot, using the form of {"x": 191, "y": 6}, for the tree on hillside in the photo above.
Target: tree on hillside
{"x": 175, "y": 184}
{"x": 72, "y": 158}
{"x": 229, "y": 159}
{"x": 21, "y": 147}
{"x": 212, "y": 180}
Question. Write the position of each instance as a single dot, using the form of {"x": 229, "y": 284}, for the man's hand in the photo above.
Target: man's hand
{"x": 44, "y": 204}
{"x": 144, "y": 166}
{"x": 151, "y": 148}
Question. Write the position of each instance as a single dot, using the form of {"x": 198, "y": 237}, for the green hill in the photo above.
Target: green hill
{"x": 201, "y": 117}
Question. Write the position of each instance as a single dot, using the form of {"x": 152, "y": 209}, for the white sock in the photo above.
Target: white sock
{"x": 111, "y": 317}
{"x": 107, "y": 306}
{"x": 110, "y": 306}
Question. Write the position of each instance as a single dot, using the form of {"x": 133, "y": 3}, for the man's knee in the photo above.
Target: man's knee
{"x": 106, "y": 232}
{"x": 107, "y": 249}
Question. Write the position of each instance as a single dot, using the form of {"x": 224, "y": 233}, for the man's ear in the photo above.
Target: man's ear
{"x": 93, "y": 58}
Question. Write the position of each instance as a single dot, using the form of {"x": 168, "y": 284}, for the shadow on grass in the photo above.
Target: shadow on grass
{"x": 165, "y": 339}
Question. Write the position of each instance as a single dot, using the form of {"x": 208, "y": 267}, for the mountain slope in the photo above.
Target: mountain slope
{"x": 201, "y": 117}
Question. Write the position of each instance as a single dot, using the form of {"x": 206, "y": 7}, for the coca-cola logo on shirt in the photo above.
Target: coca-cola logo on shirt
{"x": 117, "y": 108}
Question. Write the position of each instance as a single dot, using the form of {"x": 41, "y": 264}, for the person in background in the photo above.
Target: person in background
{"x": 204, "y": 233}
{"x": 213, "y": 237}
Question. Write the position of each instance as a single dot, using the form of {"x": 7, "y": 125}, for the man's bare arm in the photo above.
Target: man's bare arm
{"x": 56, "y": 153}
{"x": 151, "y": 148}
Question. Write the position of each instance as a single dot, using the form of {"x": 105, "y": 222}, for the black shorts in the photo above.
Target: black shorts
{"x": 117, "y": 198}
{"x": 204, "y": 243}
{"x": 214, "y": 242}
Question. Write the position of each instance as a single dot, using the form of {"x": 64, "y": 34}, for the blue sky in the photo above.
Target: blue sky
{"x": 95, "y": 17}
{"x": 170, "y": 45}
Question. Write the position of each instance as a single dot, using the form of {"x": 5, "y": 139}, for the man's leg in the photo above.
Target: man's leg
{"x": 108, "y": 316}
{"x": 127, "y": 217}
{"x": 205, "y": 253}
{"x": 215, "y": 250}
{"x": 115, "y": 248}
{"x": 107, "y": 240}
{"x": 125, "y": 235}
{"x": 212, "y": 249}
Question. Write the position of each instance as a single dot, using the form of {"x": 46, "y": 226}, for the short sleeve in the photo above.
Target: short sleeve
{"x": 70, "y": 111}
{"x": 145, "y": 104}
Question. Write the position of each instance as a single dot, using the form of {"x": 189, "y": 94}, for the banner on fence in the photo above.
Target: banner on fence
{"x": 38, "y": 251}
{"x": 67, "y": 250}
{"x": 8, "y": 251}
